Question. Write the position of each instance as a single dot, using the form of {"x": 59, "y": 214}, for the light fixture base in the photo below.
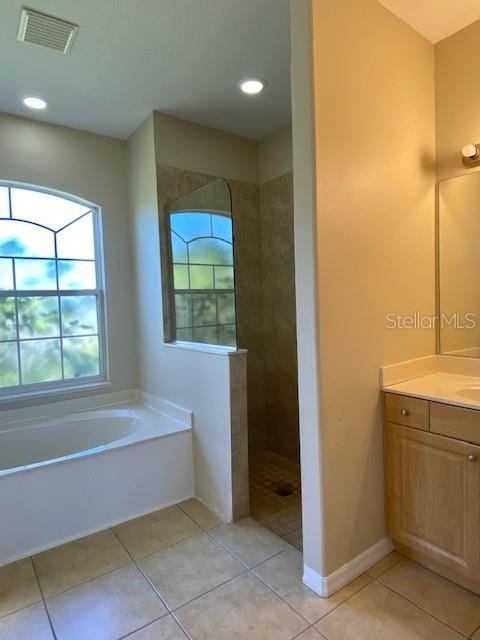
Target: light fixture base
{"x": 471, "y": 155}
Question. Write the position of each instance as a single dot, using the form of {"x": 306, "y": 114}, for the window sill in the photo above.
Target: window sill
{"x": 64, "y": 393}
{"x": 205, "y": 348}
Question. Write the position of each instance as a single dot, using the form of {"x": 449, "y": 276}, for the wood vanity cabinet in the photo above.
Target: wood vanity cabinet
{"x": 433, "y": 485}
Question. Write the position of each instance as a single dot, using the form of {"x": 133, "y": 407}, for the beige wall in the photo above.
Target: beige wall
{"x": 306, "y": 279}
{"x": 374, "y": 181}
{"x": 457, "y": 99}
{"x": 92, "y": 167}
{"x": 194, "y": 147}
{"x": 275, "y": 155}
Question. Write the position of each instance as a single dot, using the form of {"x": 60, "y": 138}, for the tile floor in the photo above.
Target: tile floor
{"x": 281, "y": 514}
{"x": 180, "y": 573}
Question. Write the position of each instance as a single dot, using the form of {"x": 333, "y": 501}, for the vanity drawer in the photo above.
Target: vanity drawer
{"x": 455, "y": 422}
{"x": 410, "y": 412}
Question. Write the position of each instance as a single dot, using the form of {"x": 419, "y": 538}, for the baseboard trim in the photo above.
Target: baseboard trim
{"x": 326, "y": 586}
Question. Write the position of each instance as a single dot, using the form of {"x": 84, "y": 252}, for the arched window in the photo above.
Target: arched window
{"x": 51, "y": 301}
{"x": 203, "y": 277}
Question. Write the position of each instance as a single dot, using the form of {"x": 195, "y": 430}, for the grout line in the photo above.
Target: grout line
{"x": 43, "y": 600}
{"x": 143, "y": 574}
{"x": 80, "y": 584}
{"x": 177, "y": 609}
{"x": 131, "y": 633}
{"x": 182, "y": 626}
{"x": 428, "y": 613}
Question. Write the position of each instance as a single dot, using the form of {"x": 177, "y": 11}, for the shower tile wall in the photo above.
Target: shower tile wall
{"x": 264, "y": 273}
{"x": 248, "y": 284}
{"x": 173, "y": 183}
{"x": 279, "y": 316}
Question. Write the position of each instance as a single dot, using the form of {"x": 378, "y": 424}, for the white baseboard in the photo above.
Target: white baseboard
{"x": 325, "y": 586}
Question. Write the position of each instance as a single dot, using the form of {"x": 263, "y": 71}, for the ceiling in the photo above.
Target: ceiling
{"x": 435, "y": 19}
{"x": 130, "y": 57}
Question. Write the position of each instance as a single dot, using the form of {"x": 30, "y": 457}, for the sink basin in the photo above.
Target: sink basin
{"x": 469, "y": 393}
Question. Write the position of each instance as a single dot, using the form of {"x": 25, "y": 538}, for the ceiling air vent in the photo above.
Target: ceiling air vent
{"x": 46, "y": 31}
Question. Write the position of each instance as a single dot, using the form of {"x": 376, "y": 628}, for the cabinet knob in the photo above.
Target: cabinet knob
{"x": 404, "y": 412}
{"x": 472, "y": 458}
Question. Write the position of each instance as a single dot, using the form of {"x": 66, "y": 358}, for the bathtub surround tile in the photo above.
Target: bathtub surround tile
{"x": 450, "y": 603}
{"x": 383, "y": 565}
{"x": 76, "y": 562}
{"x": 200, "y": 514}
{"x": 156, "y": 531}
{"x": 109, "y": 607}
{"x": 249, "y": 541}
{"x": 28, "y": 624}
{"x": 189, "y": 569}
{"x": 18, "y": 587}
{"x": 283, "y": 574}
{"x": 243, "y": 608}
{"x": 164, "y": 629}
{"x": 377, "y": 613}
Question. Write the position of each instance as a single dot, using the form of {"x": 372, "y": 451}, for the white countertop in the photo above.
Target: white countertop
{"x": 443, "y": 387}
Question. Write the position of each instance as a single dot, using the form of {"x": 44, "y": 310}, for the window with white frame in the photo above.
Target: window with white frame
{"x": 51, "y": 294}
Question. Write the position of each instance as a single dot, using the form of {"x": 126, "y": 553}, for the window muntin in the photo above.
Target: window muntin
{"x": 51, "y": 301}
{"x": 203, "y": 277}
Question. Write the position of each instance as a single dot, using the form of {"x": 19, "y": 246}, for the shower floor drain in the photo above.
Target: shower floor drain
{"x": 284, "y": 489}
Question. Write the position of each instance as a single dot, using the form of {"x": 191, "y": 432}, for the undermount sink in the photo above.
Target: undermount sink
{"x": 470, "y": 393}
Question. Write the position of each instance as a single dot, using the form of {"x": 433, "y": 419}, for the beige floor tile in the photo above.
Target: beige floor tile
{"x": 189, "y": 569}
{"x": 443, "y": 599}
{"x": 242, "y": 609}
{"x": 476, "y": 636}
{"x": 384, "y": 564}
{"x": 376, "y": 613}
{"x": 18, "y": 587}
{"x": 249, "y": 541}
{"x": 106, "y": 608}
{"x": 164, "y": 629}
{"x": 310, "y": 634}
{"x": 283, "y": 574}
{"x": 199, "y": 512}
{"x": 71, "y": 564}
{"x": 27, "y": 624}
{"x": 156, "y": 531}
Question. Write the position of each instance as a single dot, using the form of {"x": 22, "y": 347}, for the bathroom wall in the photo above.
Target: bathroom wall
{"x": 91, "y": 167}
{"x": 457, "y": 99}
{"x": 209, "y": 382}
{"x": 278, "y": 277}
{"x": 373, "y": 253}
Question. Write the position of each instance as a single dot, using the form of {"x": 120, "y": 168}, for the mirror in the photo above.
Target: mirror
{"x": 459, "y": 266}
{"x": 202, "y": 281}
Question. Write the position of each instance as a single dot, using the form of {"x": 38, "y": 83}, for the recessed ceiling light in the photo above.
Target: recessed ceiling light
{"x": 33, "y": 102}
{"x": 252, "y": 86}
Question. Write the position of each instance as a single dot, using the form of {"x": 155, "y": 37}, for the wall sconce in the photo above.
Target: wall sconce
{"x": 471, "y": 155}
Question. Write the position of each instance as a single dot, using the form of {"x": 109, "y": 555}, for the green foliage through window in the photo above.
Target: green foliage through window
{"x": 50, "y": 300}
{"x": 203, "y": 277}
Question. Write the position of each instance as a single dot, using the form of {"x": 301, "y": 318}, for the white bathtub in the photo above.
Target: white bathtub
{"x": 70, "y": 475}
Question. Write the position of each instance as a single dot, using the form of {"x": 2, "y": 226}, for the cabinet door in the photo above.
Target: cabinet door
{"x": 434, "y": 497}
